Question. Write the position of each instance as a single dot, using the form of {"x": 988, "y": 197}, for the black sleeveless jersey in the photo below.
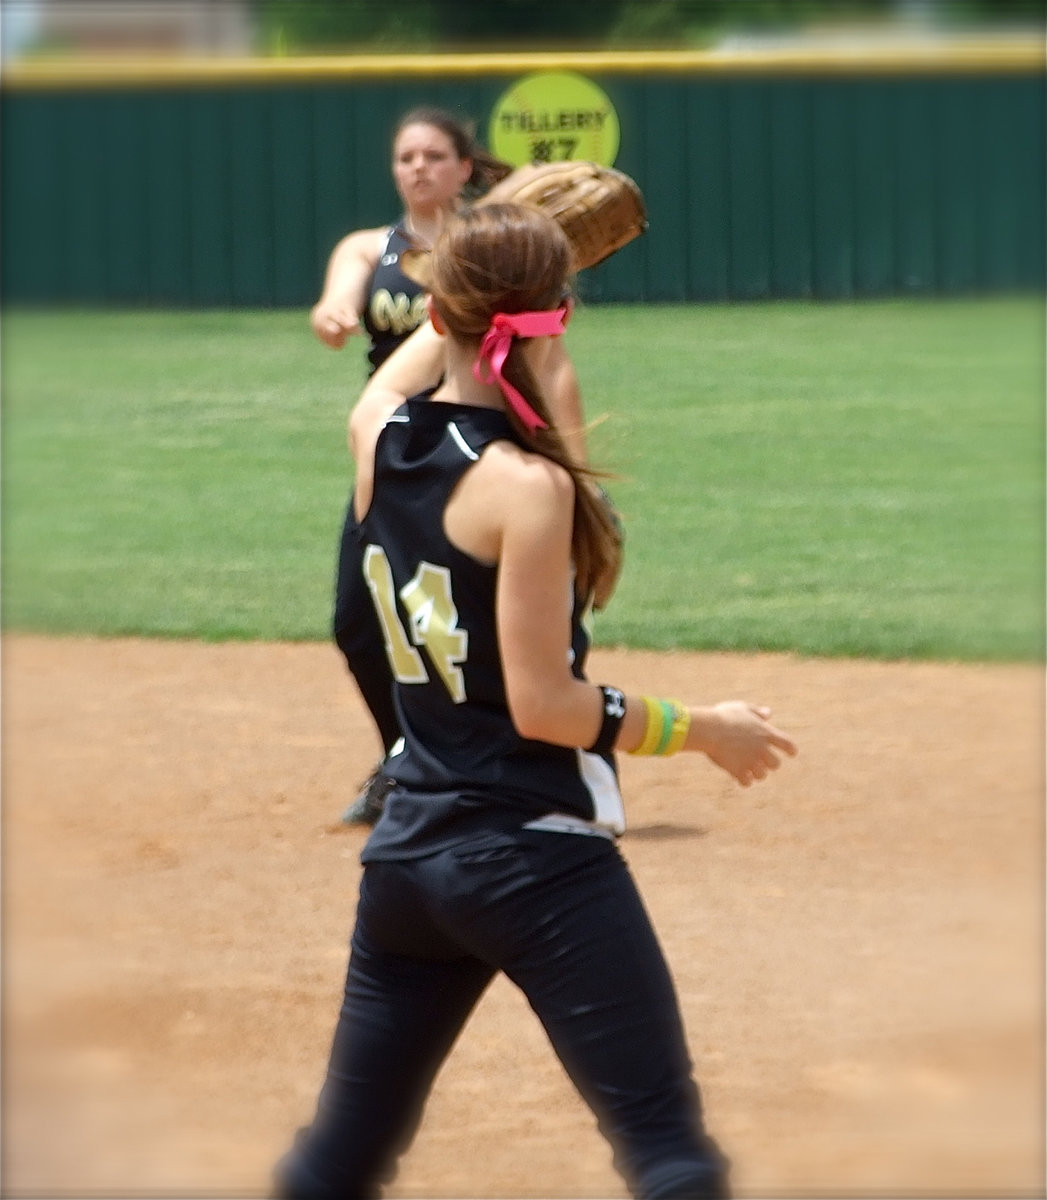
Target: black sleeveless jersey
{"x": 396, "y": 303}
{"x": 461, "y": 757}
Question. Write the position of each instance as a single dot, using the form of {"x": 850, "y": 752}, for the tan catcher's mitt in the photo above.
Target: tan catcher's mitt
{"x": 600, "y": 209}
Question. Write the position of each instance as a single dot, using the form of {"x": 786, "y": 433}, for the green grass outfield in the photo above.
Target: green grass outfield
{"x": 860, "y": 479}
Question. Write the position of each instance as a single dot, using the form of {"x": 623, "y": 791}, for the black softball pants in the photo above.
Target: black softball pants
{"x": 359, "y": 636}
{"x": 561, "y": 916}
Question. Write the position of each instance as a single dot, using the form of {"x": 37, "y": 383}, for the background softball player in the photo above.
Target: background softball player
{"x": 435, "y": 159}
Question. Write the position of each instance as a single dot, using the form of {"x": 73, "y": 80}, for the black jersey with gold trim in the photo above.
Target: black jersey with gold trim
{"x": 395, "y": 303}
{"x": 436, "y": 605}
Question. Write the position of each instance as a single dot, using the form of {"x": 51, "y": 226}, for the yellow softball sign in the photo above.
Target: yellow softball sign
{"x": 554, "y": 116}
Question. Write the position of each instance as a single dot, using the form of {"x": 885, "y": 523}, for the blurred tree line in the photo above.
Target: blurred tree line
{"x": 347, "y": 26}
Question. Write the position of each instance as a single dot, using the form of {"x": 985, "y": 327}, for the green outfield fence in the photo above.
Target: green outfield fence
{"x": 226, "y": 183}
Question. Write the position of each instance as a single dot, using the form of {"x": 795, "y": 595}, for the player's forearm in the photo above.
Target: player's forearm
{"x": 346, "y": 282}
{"x": 734, "y": 735}
{"x": 416, "y": 365}
{"x": 559, "y": 382}
{"x": 349, "y": 271}
{"x": 565, "y": 400}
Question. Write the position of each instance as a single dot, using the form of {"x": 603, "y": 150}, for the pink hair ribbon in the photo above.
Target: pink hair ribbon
{"x": 494, "y": 350}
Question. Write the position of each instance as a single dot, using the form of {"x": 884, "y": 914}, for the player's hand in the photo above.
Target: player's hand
{"x": 739, "y": 738}
{"x": 334, "y": 323}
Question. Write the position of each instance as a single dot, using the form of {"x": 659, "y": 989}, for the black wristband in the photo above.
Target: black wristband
{"x": 613, "y": 715}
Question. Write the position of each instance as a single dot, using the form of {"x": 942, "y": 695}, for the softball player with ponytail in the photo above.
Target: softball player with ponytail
{"x": 496, "y": 851}
{"x": 435, "y": 160}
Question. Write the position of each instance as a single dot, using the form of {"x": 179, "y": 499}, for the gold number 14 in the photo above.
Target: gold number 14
{"x": 433, "y": 621}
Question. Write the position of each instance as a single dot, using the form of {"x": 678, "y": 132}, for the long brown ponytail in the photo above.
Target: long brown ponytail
{"x": 505, "y": 258}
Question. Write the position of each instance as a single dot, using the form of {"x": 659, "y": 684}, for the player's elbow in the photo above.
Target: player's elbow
{"x": 531, "y": 725}
{"x": 533, "y": 716}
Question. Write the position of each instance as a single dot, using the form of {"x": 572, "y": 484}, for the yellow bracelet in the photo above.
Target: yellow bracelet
{"x": 666, "y": 730}
{"x": 680, "y": 727}
{"x": 668, "y": 716}
{"x": 652, "y": 734}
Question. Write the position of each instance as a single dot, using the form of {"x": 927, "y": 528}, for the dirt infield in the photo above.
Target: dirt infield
{"x": 858, "y": 943}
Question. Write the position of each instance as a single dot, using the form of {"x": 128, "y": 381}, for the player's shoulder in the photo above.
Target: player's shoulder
{"x": 367, "y": 241}
{"x": 374, "y": 231}
{"x": 527, "y": 475}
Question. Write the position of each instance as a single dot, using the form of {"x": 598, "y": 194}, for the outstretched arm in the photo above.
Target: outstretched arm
{"x": 337, "y": 314}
